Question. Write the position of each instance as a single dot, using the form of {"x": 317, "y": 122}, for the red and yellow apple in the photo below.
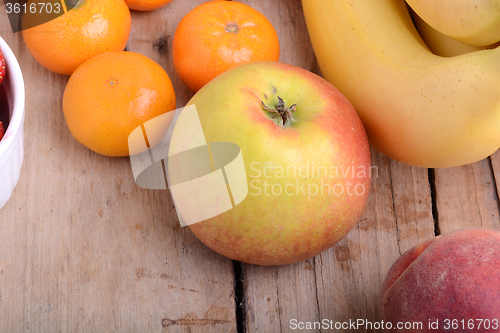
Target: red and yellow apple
{"x": 450, "y": 283}
{"x": 306, "y": 158}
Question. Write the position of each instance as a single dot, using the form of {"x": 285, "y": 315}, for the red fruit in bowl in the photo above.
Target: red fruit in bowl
{"x": 2, "y": 66}
{"x": 2, "y": 75}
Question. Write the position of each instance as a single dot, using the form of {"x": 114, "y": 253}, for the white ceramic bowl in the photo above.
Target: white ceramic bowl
{"x": 12, "y": 144}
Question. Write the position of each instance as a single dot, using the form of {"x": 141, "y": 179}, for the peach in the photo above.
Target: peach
{"x": 447, "y": 284}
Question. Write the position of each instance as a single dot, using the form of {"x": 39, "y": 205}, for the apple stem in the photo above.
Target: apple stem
{"x": 286, "y": 114}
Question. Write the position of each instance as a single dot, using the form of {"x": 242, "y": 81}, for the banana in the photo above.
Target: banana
{"x": 441, "y": 44}
{"x": 474, "y": 22}
{"x": 417, "y": 108}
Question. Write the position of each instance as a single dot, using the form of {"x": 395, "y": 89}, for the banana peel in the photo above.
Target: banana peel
{"x": 417, "y": 108}
{"x": 473, "y": 22}
{"x": 442, "y": 44}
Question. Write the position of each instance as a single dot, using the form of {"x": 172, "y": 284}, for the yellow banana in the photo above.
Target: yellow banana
{"x": 474, "y": 22}
{"x": 442, "y": 44}
{"x": 418, "y": 108}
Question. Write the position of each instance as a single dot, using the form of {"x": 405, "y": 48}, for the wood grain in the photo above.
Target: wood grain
{"x": 83, "y": 249}
{"x": 412, "y": 204}
{"x": 343, "y": 283}
{"x": 274, "y": 295}
{"x": 466, "y": 197}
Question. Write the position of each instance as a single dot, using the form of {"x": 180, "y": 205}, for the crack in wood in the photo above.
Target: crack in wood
{"x": 435, "y": 213}
{"x": 477, "y": 192}
{"x": 495, "y": 186}
{"x": 396, "y": 221}
{"x": 239, "y": 296}
{"x": 278, "y": 299}
{"x": 316, "y": 284}
{"x": 192, "y": 322}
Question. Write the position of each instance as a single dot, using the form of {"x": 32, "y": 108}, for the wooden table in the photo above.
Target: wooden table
{"x": 83, "y": 249}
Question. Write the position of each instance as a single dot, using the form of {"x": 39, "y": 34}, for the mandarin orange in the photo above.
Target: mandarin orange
{"x": 92, "y": 27}
{"x": 112, "y": 94}
{"x": 218, "y": 35}
{"x": 146, "y": 5}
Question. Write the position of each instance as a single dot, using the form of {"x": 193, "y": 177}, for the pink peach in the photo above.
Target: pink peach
{"x": 448, "y": 284}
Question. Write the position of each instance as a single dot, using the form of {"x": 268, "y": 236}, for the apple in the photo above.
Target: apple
{"x": 450, "y": 283}
{"x": 306, "y": 157}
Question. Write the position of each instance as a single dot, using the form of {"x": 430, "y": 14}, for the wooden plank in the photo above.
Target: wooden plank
{"x": 349, "y": 275}
{"x": 82, "y": 248}
{"x": 273, "y": 295}
{"x": 412, "y": 204}
{"x": 466, "y": 196}
{"x": 276, "y": 295}
{"x": 343, "y": 282}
